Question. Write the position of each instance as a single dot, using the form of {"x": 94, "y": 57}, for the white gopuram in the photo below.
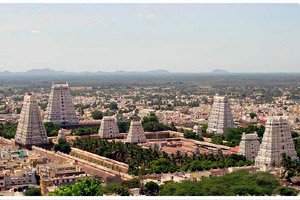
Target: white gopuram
{"x": 249, "y": 146}
{"x": 197, "y": 130}
{"x": 60, "y": 108}
{"x": 220, "y": 118}
{"x": 30, "y": 130}
{"x": 109, "y": 128}
{"x": 136, "y": 133}
{"x": 277, "y": 140}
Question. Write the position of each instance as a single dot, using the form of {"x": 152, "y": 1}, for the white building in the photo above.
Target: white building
{"x": 109, "y": 128}
{"x": 277, "y": 140}
{"x": 30, "y": 130}
{"x": 220, "y": 118}
{"x": 60, "y": 108}
{"x": 249, "y": 146}
{"x": 136, "y": 133}
{"x": 61, "y": 134}
{"x": 197, "y": 130}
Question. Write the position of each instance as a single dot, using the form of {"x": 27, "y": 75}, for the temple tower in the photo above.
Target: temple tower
{"x": 136, "y": 133}
{"x": 30, "y": 130}
{"x": 249, "y": 146}
{"x": 220, "y": 118}
{"x": 60, "y": 108}
{"x": 277, "y": 140}
{"x": 109, "y": 128}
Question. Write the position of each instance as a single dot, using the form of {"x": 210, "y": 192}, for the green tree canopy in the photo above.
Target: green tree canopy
{"x": 151, "y": 189}
{"x": 253, "y": 115}
{"x": 62, "y": 146}
{"x": 85, "y": 187}
{"x": 188, "y": 134}
{"x": 33, "y": 192}
{"x": 240, "y": 183}
{"x": 286, "y": 191}
{"x": 8, "y": 130}
{"x": 147, "y": 161}
{"x": 97, "y": 114}
{"x": 51, "y": 129}
{"x": 113, "y": 106}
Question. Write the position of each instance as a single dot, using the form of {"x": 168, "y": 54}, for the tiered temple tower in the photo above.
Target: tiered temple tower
{"x": 60, "y": 108}
{"x": 136, "y": 133}
{"x": 30, "y": 130}
{"x": 277, "y": 140}
{"x": 220, "y": 118}
{"x": 109, "y": 128}
{"x": 249, "y": 146}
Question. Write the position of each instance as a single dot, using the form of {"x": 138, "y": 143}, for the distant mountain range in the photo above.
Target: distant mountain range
{"x": 219, "y": 71}
{"x": 50, "y": 72}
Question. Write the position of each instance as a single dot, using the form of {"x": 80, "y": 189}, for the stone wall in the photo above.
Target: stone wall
{"x": 103, "y": 161}
{"x": 105, "y": 174}
{"x": 7, "y": 141}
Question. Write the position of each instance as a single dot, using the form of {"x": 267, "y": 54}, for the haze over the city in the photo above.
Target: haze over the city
{"x": 142, "y": 37}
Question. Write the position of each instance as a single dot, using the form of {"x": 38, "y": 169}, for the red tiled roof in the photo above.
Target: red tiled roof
{"x": 234, "y": 149}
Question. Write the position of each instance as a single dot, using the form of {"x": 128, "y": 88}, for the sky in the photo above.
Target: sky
{"x": 141, "y": 37}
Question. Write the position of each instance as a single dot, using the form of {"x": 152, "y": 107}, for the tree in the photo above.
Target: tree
{"x": 97, "y": 114}
{"x": 154, "y": 161}
{"x": 234, "y": 135}
{"x": 217, "y": 139}
{"x": 85, "y": 131}
{"x": 191, "y": 135}
{"x": 295, "y": 134}
{"x": 240, "y": 183}
{"x": 51, "y": 129}
{"x": 173, "y": 127}
{"x": 62, "y": 146}
{"x": 286, "y": 191}
{"x": 123, "y": 126}
{"x": 116, "y": 189}
{"x": 8, "y": 130}
{"x": 204, "y": 128}
{"x": 291, "y": 167}
{"x": 151, "y": 124}
{"x": 151, "y": 188}
{"x": 253, "y": 115}
{"x": 85, "y": 187}
{"x": 132, "y": 183}
{"x": 113, "y": 106}
{"x": 33, "y": 192}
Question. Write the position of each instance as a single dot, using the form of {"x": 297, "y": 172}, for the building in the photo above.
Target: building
{"x": 61, "y": 134}
{"x": 197, "y": 130}
{"x": 220, "y": 117}
{"x": 249, "y": 146}
{"x": 136, "y": 133}
{"x": 59, "y": 170}
{"x": 17, "y": 179}
{"x": 277, "y": 140}
{"x": 30, "y": 130}
{"x": 60, "y": 108}
{"x": 54, "y": 175}
{"x": 109, "y": 128}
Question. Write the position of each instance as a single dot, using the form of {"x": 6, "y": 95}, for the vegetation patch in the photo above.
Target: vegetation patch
{"x": 148, "y": 161}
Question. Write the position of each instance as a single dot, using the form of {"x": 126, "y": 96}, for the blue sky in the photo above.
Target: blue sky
{"x": 175, "y": 37}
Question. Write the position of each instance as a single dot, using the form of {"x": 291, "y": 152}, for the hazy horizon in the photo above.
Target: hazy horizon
{"x": 193, "y": 38}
